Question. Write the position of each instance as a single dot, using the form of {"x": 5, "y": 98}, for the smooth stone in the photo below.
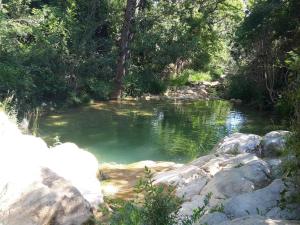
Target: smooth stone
{"x": 180, "y": 176}
{"x": 257, "y": 202}
{"x": 231, "y": 182}
{"x": 187, "y": 191}
{"x": 78, "y": 166}
{"x": 239, "y": 143}
{"x": 49, "y": 199}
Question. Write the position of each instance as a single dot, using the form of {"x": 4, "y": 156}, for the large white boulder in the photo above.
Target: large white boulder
{"x": 49, "y": 199}
{"x": 27, "y": 166}
{"x": 80, "y": 168}
{"x": 239, "y": 143}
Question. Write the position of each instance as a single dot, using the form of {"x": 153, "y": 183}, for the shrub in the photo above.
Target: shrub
{"x": 159, "y": 206}
{"x": 241, "y": 87}
{"x": 191, "y": 76}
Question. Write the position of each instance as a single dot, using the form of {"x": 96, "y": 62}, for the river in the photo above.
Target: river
{"x": 130, "y": 131}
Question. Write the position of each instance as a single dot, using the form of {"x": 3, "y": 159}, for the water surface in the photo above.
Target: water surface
{"x": 131, "y": 131}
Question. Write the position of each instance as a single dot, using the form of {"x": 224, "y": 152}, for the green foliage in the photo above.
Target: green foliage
{"x": 189, "y": 76}
{"x": 197, "y": 77}
{"x": 159, "y": 206}
{"x": 263, "y": 43}
{"x": 240, "y": 86}
{"x": 292, "y": 97}
{"x": 66, "y": 51}
{"x": 217, "y": 208}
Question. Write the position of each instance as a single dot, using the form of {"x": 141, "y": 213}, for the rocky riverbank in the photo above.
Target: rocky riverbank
{"x": 58, "y": 186}
{"x": 243, "y": 177}
{"x": 204, "y": 90}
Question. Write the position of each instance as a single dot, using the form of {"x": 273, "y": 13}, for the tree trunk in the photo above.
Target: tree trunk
{"x": 124, "y": 49}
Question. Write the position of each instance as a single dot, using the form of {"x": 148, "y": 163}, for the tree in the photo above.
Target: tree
{"x": 124, "y": 48}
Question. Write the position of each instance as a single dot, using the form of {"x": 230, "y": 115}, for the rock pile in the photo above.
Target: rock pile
{"x": 244, "y": 188}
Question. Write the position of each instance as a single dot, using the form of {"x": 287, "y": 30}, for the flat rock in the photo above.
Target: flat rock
{"x": 194, "y": 187}
{"x": 180, "y": 176}
{"x": 231, "y": 182}
{"x": 258, "y": 202}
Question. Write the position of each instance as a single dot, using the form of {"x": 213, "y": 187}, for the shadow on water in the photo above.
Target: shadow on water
{"x": 131, "y": 131}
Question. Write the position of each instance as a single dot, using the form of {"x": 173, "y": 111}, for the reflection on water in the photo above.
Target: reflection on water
{"x": 235, "y": 121}
{"x": 126, "y": 132}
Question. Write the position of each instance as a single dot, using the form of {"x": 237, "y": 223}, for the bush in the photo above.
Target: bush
{"x": 240, "y": 87}
{"x": 197, "y": 77}
{"x": 159, "y": 206}
{"x": 99, "y": 89}
{"x": 190, "y": 76}
{"x": 136, "y": 83}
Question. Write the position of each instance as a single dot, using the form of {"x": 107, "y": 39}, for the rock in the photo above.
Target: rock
{"x": 239, "y": 143}
{"x": 187, "y": 191}
{"x": 235, "y": 181}
{"x": 212, "y": 219}
{"x": 7, "y": 126}
{"x": 180, "y": 176}
{"x": 65, "y": 159}
{"x": 202, "y": 160}
{"x": 49, "y": 199}
{"x": 236, "y": 101}
{"x": 60, "y": 183}
{"x": 257, "y": 202}
{"x": 259, "y": 220}
{"x": 189, "y": 91}
{"x": 273, "y": 143}
{"x": 276, "y": 167}
{"x": 187, "y": 208}
{"x": 290, "y": 212}
{"x": 239, "y": 160}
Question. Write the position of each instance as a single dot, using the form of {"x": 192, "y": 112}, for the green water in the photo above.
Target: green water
{"x": 131, "y": 131}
